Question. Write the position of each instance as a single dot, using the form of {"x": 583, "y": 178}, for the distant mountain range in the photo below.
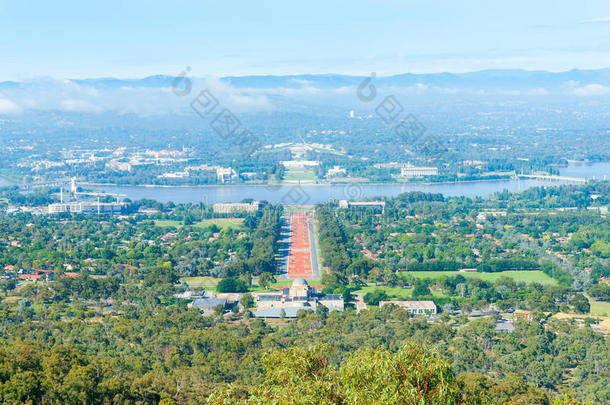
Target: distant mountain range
{"x": 481, "y": 79}
{"x": 485, "y": 79}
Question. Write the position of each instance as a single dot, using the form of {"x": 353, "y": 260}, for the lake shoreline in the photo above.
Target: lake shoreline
{"x": 273, "y": 185}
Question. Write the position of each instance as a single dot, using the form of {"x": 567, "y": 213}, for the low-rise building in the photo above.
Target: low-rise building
{"x": 227, "y": 208}
{"x": 523, "y": 314}
{"x": 85, "y": 207}
{"x": 336, "y": 171}
{"x": 413, "y": 307}
{"x": 414, "y": 171}
{"x": 299, "y": 164}
{"x": 208, "y": 303}
{"x": 119, "y": 166}
{"x": 224, "y": 174}
{"x": 375, "y": 204}
{"x": 299, "y": 296}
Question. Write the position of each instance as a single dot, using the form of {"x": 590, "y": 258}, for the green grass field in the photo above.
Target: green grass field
{"x": 525, "y": 276}
{"x": 234, "y": 223}
{"x": 600, "y": 308}
{"x": 303, "y": 175}
{"x": 285, "y": 283}
{"x": 201, "y": 281}
{"x": 392, "y": 291}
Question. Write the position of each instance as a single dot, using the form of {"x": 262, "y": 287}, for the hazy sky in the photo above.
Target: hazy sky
{"x": 128, "y": 38}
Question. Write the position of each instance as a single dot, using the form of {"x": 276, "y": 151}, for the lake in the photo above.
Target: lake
{"x": 317, "y": 193}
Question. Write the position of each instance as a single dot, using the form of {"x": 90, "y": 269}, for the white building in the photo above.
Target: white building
{"x": 335, "y": 171}
{"x": 299, "y": 296}
{"x": 413, "y": 307}
{"x": 85, "y": 207}
{"x": 119, "y": 166}
{"x": 414, "y": 171}
{"x": 374, "y": 204}
{"x": 224, "y": 174}
{"x": 227, "y": 208}
{"x": 299, "y": 164}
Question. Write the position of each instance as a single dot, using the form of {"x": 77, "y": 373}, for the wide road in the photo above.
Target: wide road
{"x": 315, "y": 268}
{"x": 302, "y": 259}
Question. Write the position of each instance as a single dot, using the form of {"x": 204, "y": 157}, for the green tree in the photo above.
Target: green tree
{"x": 265, "y": 280}
{"x": 421, "y": 290}
{"x": 373, "y": 298}
{"x": 247, "y": 301}
{"x": 230, "y": 285}
{"x": 7, "y": 285}
{"x": 413, "y": 375}
{"x": 580, "y": 303}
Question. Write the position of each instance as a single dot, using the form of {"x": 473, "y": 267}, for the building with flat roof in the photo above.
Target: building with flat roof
{"x": 225, "y": 174}
{"x": 208, "y": 303}
{"x": 413, "y": 307}
{"x": 375, "y": 204}
{"x": 414, "y": 171}
{"x": 85, "y": 207}
{"x": 336, "y": 171}
{"x": 227, "y": 208}
{"x": 299, "y": 164}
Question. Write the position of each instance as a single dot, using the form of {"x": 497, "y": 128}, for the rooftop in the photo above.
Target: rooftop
{"x": 410, "y": 304}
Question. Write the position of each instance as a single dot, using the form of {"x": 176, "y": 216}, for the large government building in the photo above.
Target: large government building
{"x": 294, "y": 298}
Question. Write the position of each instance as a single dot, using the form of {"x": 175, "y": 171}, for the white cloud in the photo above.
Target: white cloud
{"x": 595, "y": 20}
{"x": 232, "y": 98}
{"x": 75, "y": 105}
{"x": 8, "y": 107}
{"x": 592, "y": 90}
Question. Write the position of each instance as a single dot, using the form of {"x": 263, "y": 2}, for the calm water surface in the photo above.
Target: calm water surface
{"x": 313, "y": 193}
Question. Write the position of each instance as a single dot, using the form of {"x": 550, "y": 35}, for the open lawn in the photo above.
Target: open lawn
{"x": 392, "y": 291}
{"x": 201, "y": 281}
{"x": 285, "y": 283}
{"x": 534, "y": 276}
{"x": 600, "y": 308}
{"x": 234, "y": 223}
{"x": 303, "y": 175}
{"x": 219, "y": 222}
{"x": 210, "y": 283}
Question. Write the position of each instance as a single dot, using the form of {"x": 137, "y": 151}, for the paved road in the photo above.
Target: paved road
{"x": 315, "y": 269}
